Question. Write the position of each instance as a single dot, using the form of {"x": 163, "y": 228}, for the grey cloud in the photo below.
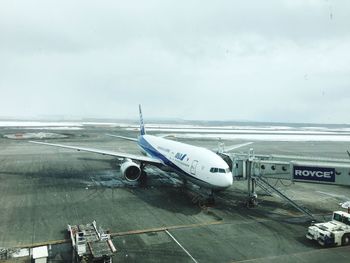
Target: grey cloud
{"x": 257, "y": 60}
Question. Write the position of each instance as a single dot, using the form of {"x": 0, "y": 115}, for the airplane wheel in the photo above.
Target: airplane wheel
{"x": 201, "y": 204}
{"x": 345, "y": 240}
{"x": 211, "y": 201}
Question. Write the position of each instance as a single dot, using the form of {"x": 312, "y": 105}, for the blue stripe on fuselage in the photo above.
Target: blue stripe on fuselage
{"x": 149, "y": 149}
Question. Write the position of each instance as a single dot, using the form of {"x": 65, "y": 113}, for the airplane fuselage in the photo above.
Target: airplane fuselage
{"x": 196, "y": 164}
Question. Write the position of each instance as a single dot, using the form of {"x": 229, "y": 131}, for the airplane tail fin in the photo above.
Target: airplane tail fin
{"x": 142, "y": 126}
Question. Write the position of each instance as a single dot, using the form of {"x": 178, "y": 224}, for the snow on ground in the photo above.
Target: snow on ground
{"x": 230, "y": 132}
{"x": 38, "y": 135}
{"x": 37, "y": 124}
{"x": 239, "y": 131}
{"x": 54, "y": 128}
{"x": 266, "y": 137}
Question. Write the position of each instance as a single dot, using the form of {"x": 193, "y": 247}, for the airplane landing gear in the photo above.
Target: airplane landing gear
{"x": 200, "y": 196}
{"x": 211, "y": 199}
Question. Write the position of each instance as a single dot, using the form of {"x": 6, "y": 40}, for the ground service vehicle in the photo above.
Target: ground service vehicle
{"x": 335, "y": 232}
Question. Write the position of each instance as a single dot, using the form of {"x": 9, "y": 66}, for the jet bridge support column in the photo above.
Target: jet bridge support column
{"x": 252, "y": 196}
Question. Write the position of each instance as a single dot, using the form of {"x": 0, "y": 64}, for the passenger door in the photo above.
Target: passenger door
{"x": 193, "y": 167}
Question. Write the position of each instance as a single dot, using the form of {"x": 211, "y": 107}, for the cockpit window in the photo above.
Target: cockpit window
{"x": 218, "y": 170}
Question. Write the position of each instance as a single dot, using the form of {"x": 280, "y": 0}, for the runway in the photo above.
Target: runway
{"x": 43, "y": 189}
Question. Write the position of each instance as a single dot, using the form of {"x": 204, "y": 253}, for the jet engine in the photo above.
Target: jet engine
{"x": 130, "y": 170}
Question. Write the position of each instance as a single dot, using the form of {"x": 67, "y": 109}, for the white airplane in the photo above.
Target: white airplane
{"x": 198, "y": 165}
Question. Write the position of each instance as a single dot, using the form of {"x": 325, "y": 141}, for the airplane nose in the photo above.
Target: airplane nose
{"x": 228, "y": 180}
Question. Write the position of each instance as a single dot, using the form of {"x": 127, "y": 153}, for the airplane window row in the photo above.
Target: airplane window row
{"x": 219, "y": 170}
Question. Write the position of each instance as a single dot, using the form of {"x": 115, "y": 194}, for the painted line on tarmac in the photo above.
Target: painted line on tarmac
{"x": 160, "y": 229}
{"x": 132, "y": 232}
{"x": 53, "y": 242}
{"x": 184, "y": 249}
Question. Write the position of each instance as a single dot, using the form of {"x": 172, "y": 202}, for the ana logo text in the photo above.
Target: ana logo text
{"x": 180, "y": 156}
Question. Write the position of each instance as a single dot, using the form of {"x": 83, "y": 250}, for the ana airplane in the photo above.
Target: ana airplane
{"x": 198, "y": 165}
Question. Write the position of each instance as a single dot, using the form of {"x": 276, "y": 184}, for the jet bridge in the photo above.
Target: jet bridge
{"x": 257, "y": 169}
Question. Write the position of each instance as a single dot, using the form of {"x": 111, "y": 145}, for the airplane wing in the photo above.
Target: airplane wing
{"x": 123, "y": 137}
{"x": 236, "y": 146}
{"x": 105, "y": 152}
{"x": 233, "y": 147}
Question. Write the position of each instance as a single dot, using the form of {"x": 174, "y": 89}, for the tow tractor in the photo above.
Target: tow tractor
{"x": 333, "y": 233}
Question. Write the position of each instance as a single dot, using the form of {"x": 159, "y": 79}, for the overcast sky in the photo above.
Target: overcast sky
{"x": 273, "y": 60}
